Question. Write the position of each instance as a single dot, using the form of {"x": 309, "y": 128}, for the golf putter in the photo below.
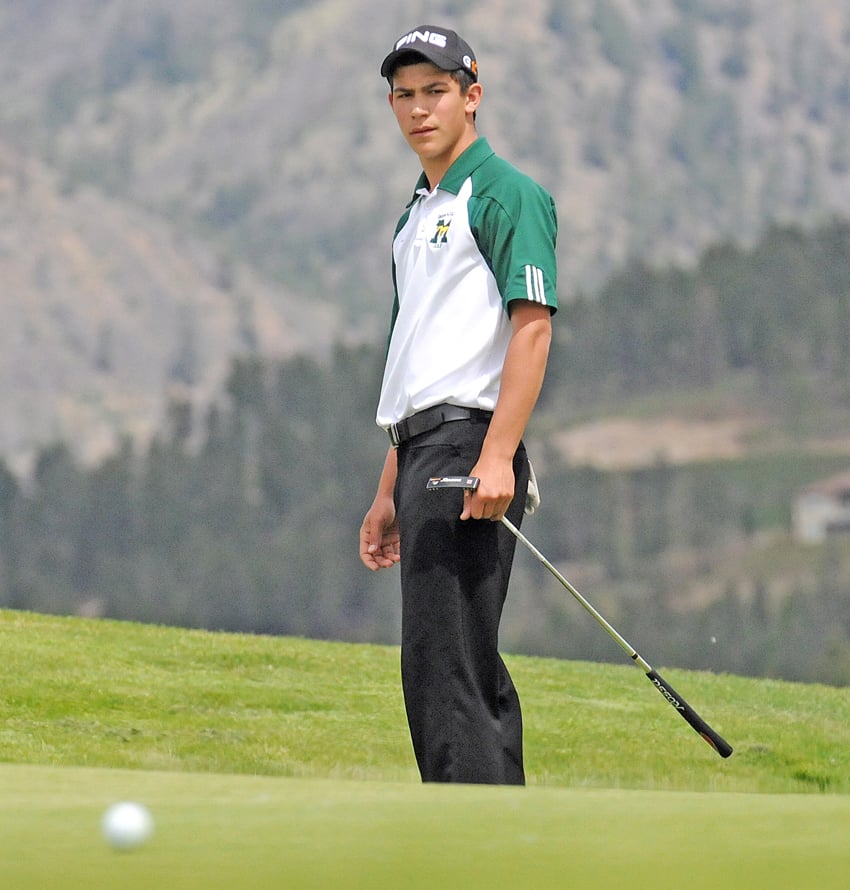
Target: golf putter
{"x": 720, "y": 745}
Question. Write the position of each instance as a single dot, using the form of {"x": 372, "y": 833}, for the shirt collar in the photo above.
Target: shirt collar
{"x": 460, "y": 170}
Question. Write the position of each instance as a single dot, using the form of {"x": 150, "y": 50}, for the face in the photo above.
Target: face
{"x": 435, "y": 119}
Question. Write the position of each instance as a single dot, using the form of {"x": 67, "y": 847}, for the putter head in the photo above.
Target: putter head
{"x": 470, "y": 483}
{"x": 437, "y": 482}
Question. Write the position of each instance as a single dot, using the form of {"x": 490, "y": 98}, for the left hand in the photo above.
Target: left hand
{"x": 496, "y": 484}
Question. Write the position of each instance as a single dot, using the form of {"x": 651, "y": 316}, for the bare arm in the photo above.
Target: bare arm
{"x": 522, "y": 378}
{"x": 379, "y": 538}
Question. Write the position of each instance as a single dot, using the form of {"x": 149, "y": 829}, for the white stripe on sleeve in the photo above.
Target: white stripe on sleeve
{"x": 534, "y": 286}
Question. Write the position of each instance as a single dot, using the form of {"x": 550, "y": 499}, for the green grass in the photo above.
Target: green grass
{"x": 285, "y": 762}
{"x": 215, "y": 831}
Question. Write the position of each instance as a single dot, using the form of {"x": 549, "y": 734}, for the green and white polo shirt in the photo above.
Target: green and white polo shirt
{"x": 484, "y": 237}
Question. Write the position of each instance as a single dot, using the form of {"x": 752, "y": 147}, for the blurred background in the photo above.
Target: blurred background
{"x": 196, "y": 206}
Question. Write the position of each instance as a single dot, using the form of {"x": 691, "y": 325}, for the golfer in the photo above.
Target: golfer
{"x": 473, "y": 265}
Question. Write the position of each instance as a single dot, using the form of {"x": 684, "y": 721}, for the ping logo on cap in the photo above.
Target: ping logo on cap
{"x": 440, "y": 46}
{"x": 432, "y": 37}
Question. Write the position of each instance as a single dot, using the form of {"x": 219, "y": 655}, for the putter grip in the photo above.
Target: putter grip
{"x": 723, "y": 748}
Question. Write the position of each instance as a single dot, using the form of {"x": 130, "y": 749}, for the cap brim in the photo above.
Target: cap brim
{"x": 431, "y": 54}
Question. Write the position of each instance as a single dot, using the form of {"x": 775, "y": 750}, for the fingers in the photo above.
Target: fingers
{"x": 380, "y": 549}
{"x": 367, "y": 556}
{"x": 478, "y": 506}
{"x": 379, "y": 560}
{"x": 376, "y": 557}
{"x": 466, "y": 513}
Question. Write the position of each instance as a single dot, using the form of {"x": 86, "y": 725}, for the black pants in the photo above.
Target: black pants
{"x": 462, "y": 707}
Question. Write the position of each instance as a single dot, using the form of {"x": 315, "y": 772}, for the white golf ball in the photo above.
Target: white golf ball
{"x": 127, "y": 825}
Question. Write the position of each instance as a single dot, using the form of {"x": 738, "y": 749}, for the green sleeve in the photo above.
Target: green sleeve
{"x": 514, "y": 222}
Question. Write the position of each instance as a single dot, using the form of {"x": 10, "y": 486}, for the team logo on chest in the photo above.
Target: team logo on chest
{"x": 441, "y": 235}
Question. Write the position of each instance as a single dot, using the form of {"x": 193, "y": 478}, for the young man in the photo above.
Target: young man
{"x": 474, "y": 273}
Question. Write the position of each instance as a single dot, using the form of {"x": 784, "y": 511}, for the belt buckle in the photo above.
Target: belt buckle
{"x": 394, "y": 437}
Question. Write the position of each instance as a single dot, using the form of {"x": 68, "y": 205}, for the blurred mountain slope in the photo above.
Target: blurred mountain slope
{"x": 185, "y": 181}
{"x": 107, "y": 308}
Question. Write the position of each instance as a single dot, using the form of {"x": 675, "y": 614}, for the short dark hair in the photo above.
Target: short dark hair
{"x": 464, "y": 79}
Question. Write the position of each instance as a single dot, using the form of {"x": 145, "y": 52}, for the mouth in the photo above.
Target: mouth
{"x": 422, "y": 131}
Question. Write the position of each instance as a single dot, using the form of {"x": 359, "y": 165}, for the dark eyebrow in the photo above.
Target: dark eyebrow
{"x": 427, "y": 86}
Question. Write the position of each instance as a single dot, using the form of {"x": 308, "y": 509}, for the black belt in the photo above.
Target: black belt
{"x": 430, "y": 419}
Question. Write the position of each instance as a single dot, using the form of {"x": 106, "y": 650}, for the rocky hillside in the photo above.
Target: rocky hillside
{"x": 107, "y": 308}
{"x": 179, "y": 182}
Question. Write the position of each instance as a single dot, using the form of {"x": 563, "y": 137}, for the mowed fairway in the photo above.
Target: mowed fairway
{"x": 285, "y": 763}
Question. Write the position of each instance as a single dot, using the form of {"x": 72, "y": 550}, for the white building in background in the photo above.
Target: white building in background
{"x": 822, "y": 508}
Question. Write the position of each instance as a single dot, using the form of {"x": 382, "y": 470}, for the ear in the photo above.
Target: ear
{"x": 473, "y": 98}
